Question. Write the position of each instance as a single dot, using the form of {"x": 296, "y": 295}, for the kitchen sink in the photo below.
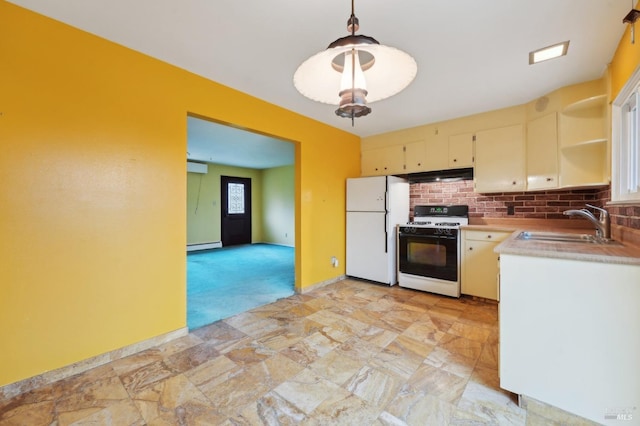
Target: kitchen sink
{"x": 563, "y": 237}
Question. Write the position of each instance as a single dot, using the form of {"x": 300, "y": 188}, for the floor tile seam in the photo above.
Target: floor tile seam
{"x": 64, "y": 396}
{"x": 466, "y": 378}
{"x": 453, "y": 403}
{"x": 101, "y": 409}
{"x": 404, "y": 380}
{"x": 487, "y": 387}
{"x": 308, "y": 371}
{"x": 206, "y": 397}
{"x": 401, "y": 382}
{"x": 366, "y": 403}
{"x": 17, "y": 409}
{"x": 494, "y": 409}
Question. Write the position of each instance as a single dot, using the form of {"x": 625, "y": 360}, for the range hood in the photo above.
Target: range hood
{"x": 450, "y": 175}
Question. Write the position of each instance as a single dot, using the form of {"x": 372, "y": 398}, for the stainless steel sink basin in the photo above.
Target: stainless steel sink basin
{"x": 563, "y": 237}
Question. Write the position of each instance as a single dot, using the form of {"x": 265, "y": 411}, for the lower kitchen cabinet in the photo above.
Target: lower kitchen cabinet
{"x": 480, "y": 263}
{"x": 570, "y": 334}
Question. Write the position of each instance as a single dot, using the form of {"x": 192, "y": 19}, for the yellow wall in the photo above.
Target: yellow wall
{"x": 93, "y": 191}
{"x": 625, "y": 60}
{"x": 203, "y": 203}
{"x": 278, "y": 200}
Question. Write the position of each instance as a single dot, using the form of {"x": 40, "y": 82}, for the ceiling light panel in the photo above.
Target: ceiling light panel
{"x": 549, "y": 52}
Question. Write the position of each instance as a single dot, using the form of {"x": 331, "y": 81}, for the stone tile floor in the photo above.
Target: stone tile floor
{"x": 350, "y": 353}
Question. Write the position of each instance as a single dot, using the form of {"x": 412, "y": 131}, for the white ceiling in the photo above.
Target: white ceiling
{"x": 472, "y": 55}
{"x": 217, "y": 143}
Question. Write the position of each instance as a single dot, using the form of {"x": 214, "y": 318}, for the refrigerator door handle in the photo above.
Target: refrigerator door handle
{"x": 386, "y": 195}
{"x": 386, "y": 235}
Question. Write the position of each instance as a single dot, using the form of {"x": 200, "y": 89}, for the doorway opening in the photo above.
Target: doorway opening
{"x": 243, "y": 197}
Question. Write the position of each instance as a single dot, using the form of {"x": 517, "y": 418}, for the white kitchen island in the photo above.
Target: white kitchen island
{"x": 570, "y": 327}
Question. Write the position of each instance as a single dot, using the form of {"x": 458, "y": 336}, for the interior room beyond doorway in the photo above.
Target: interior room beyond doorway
{"x": 267, "y": 164}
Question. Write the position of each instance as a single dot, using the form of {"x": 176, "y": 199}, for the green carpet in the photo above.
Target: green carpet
{"x": 226, "y": 281}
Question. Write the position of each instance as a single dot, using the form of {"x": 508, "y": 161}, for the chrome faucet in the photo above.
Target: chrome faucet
{"x": 602, "y": 223}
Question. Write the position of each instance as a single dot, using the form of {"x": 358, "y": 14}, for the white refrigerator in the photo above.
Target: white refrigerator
{"x": 375, "y": 206}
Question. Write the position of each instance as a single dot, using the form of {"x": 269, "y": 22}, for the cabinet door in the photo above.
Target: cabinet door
{"x": 500, "y": 163}
{"x": 437, "y": 151}
{"x": 371, "y": 162}
{"x": 388, "y": 160}
{"x": 415, "y": 154}
{"x": 542, "y": 152}
{"x": 461, "y": 150}
{"x": 480, "y": 263}
{"x": 393, "y": 160}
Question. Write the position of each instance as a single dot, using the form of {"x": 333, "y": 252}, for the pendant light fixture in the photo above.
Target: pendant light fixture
{"x": 353, "y": 71}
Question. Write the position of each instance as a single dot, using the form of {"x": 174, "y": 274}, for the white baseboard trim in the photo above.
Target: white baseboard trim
{"x": 26, "y": 385}
{"x": 203, "y": 246}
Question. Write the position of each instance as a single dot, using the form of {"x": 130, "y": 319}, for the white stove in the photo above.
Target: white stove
{"x": 429, "y": 249}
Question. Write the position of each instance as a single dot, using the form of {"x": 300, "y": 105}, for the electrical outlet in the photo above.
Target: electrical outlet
{"x": 334, "y": 261}
{"x": 511, "y": 210}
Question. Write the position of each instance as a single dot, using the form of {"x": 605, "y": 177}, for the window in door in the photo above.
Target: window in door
{"x": 235, "y": 196}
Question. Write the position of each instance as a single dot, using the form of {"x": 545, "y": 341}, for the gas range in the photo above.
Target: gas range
{"x": 429, "y": 249}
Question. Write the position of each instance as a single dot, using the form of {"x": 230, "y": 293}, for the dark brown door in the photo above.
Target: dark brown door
{"x": 236, "y": 210}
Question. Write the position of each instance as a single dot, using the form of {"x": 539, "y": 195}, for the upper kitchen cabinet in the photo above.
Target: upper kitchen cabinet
{"x": 415, "y": 149}
{"x": 387, "y": 160}
{"x": 500, "y": 160}
{"x": 393, "y": 153}
{"x": 559, "y": 140}
{"x": 437, "y": 150}
{"x": 415, "y": 155}
{"x": 542, "y": 152}
{"x": 583, "y": 135}
{"x": 460, "y": 151}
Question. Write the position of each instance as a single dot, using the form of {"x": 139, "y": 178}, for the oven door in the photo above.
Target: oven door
{"x": 429, "y": 254}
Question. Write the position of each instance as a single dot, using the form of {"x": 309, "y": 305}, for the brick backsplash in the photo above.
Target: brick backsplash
{"x": 531, "y": 205}
{"x": 627, "y": 216}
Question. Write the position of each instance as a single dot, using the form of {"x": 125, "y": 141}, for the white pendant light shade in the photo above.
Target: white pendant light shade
{"x": 392, "y": 72}
{"x": 353, "y": 71}
{"x": 359, "y": 81}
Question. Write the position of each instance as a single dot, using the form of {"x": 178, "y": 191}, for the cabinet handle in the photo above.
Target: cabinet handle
{"x": 513, "y": 183}
{"x": 419, "y": 164}
{"x": 549, "y": 179}
{"x": 455, "y": 160}
{"x": 470, "y": 248}
{"x": 489, "y": 236}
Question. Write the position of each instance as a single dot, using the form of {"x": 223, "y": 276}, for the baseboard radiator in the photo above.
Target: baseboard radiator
{"x": 203, "y": 246}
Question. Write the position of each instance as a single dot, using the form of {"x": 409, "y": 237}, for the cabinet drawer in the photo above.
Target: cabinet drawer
{"x": 496, "y": 236}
